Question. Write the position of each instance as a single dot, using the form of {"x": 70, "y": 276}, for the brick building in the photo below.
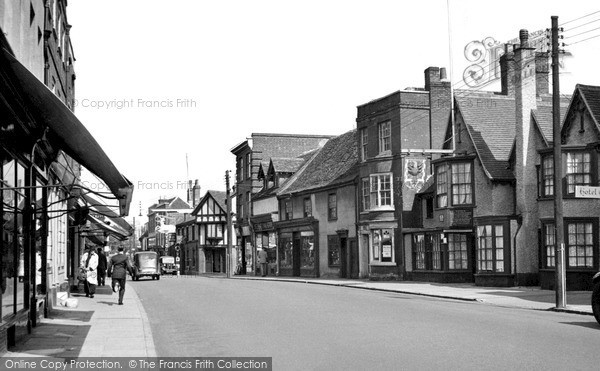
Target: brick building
{"x": 398, "y": 136}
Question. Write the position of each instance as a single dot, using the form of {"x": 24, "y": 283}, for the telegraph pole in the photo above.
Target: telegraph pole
{"x": 229, "y": 244}
{"x": 559, "y": 244}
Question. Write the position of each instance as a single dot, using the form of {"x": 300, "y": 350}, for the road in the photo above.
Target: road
{"x": 315, "y": 327}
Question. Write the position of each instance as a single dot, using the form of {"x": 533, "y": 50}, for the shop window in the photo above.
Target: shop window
{"x": 578, "y": 170}
{"x": 364, "y": 140}
{"x": 307, "y": 207}
{"x": 286, "y": 251}
{"x": 491, "y": 248}
{"x": 382, "y": 246}
{"x": 457, "y": 251}
{"x": 579, "y": 244}
{"x": 333, "y": 251}
{"x": 307, "y": 250}
{"x": 419, "y": 249}
{"x": 385, "y": 136}
{"x": 332, "y": 207}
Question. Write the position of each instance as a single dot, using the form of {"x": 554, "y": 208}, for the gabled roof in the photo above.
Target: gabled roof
{"x": 285, "y": 165}
{"x": 543, "y": 117}
{"x": 220, "y": 198}
{"x": 491, "y": 126}
{"x": 490, "y": 121}
{"x": 590, "y": 95}
{"x": 335, "y": 163}
{"x": 174, "y": 203}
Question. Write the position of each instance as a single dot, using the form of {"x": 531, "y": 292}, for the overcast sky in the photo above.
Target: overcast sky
{"x": 157, "y": 80}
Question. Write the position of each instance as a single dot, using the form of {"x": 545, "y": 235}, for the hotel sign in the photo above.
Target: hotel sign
{"x": 587, "y": 192}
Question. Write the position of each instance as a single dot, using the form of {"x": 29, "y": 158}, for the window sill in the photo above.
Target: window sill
{"x": 383, "y": 264}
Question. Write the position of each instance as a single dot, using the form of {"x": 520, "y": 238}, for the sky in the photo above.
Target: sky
{"x": 169, "y": 88}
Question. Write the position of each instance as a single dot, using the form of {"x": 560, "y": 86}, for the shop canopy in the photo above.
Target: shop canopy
{"x": 65, "y": 131}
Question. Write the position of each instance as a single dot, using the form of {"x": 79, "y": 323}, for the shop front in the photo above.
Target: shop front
{"x": 298, "y": 248}
{"x": 265, "y": 238}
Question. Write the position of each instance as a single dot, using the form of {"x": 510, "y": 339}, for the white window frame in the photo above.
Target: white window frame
{"x": 375, "y": 190}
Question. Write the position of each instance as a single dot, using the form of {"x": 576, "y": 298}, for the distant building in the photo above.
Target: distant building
{"x": 163, "y": 216}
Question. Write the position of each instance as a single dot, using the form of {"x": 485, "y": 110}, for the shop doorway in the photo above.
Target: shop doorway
{"x": 296, "y": 255}
{"x": 353, "y": 257}
{"x": 343, "y": 258}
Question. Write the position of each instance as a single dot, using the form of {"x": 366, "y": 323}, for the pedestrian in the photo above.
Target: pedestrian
{"x": 102, "y": 264}
{"x": 91, "y": 269}
{"x": 262, "y": 259}
{"x": 118, "y": 267}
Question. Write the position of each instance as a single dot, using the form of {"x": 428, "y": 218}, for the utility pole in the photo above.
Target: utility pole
{"x": 559, "y": 243}
{"x": 229, "y": 244}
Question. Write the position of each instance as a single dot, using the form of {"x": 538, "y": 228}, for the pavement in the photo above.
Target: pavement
{"x": 98, "y": 327}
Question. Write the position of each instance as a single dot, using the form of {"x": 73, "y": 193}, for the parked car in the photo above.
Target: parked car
{"x": 167, "y": 265}
{"x": 145, "y": 264}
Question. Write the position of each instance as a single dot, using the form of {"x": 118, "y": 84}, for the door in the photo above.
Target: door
{"x": 343, "y": 258}
{"x": 296, "y": 255}
{"x": 353, "y": 257}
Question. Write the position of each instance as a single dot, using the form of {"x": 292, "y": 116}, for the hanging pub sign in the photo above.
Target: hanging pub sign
{"x": 415, "y": 173}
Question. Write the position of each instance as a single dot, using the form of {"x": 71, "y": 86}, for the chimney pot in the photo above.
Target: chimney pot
{"x": 524, "y": 37}
{"x": 443, "y": 73}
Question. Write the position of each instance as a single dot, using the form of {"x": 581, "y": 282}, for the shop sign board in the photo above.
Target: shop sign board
{"x": 587, "y": 192}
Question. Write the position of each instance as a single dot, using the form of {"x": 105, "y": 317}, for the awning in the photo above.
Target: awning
{"x": 66, "y": 131}
{"x": 113, "y": 229}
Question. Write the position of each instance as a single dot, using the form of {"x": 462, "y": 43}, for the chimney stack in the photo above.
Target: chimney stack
{"x": 507, "y": 71}
{"x": 196, "y": 193}
{"x": 542, "y": 73}
{"x": 526, "y": 186}
{"x": 432, "y": 77}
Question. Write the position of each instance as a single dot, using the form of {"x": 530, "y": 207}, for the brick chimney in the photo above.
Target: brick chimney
{"x": 542, "y": 73}
{"x": 195, "y": 193}
{"x": 525, "y": 154}
{"x": 507, "y": 70}
{"x": 440, "y": 105}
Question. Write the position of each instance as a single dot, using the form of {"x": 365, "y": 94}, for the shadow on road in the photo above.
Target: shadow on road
{"x": 591, "y": 324}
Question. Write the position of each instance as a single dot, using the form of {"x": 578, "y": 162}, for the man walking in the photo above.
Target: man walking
{"x": 118, "y": 268}
{"x": 102, "y": 263}
{"x": 262, "y": 259}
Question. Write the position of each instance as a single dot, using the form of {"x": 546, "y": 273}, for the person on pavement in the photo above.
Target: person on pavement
{"x": 102, "y": 264}
{"x": 262, "y": 259}
{"x": 118, "y": 267}
{"x": 91, "y": 268}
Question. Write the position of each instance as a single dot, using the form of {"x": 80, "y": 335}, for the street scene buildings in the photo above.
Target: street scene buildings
{"x": 430, "y": 185}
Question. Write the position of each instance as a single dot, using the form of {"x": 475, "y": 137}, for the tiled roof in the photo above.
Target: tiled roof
{"x": 490, "y": 122}
{"x": 286, "y": 165}
{"x": 591, "y": 97}
{"x": 220, "y": 197}
{"x": 543, "y": 116}
{"x": 335, "y": 163}
{"x": 266, "y": 145}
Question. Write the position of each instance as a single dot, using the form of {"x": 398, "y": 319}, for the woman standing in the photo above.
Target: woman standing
{"x": 91, "y": 267}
